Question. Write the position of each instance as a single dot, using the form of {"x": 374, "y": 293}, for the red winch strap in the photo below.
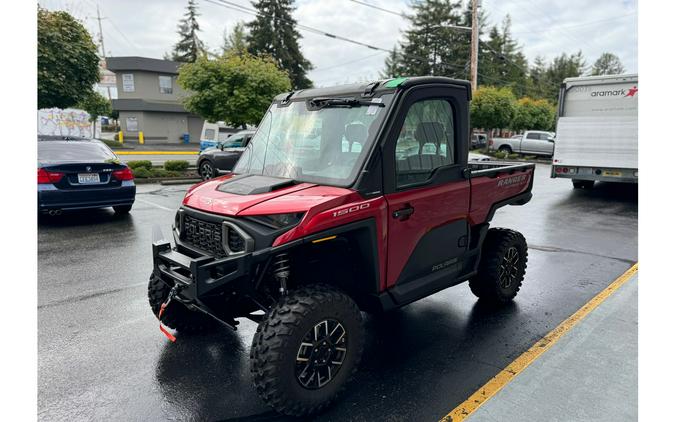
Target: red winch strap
{"x": 161, "y": 327}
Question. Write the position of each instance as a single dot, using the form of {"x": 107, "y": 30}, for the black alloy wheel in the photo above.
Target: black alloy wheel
{"x": 206, "y": 170}
{"x": 321, "y": 354}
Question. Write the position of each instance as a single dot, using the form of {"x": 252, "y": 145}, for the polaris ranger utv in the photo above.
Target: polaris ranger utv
{"x": 348, "y": 199}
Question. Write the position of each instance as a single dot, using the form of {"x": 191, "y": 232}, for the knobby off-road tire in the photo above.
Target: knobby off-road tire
{"x": 502, "y": 267}
{"x": 176, "y": 315}
{"x": 281, "y": 360}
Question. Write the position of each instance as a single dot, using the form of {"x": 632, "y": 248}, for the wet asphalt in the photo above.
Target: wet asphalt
{"x": 102, "y": 357}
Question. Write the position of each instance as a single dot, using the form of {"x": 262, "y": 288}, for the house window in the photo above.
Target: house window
{"x": 132, "y": 124}
{"x": 128, "y": 82}
{"x": 165, "y": 86}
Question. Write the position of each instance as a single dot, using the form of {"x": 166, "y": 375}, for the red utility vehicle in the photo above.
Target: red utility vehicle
{"x": 348, "y": 199}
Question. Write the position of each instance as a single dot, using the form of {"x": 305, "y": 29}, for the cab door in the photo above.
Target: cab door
{"x": 426, "y": 193}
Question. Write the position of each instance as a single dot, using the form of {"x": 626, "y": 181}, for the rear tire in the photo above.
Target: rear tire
{"x": 306, "y": 349}
{"x": 505, "y": 148}
{"x": 122, "y": 209}
{"x": 176, "y": 315}
{"x": 502, "y": 267}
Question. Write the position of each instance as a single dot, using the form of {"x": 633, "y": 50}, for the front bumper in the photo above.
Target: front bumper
{"x": 201, "y": 276}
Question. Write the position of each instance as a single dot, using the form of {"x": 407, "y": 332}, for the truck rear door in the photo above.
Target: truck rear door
{"x": 426, "y": 193}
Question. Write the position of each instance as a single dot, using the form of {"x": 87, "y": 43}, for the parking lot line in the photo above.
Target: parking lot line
{"x": 155, "y": 205}
{"x": 500, "y": 380}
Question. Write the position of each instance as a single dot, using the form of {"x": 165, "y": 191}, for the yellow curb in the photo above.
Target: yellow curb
{"x": 492, "y": 387}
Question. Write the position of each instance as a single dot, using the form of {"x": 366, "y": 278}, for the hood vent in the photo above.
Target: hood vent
{"x": 253, "y": 184}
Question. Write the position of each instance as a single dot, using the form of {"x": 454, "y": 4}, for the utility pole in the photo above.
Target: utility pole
{"x": 474, "y": 44}
{"x": 100, "y": 32}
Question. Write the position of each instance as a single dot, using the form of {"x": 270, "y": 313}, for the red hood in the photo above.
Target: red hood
{"x": 296, "y": 198}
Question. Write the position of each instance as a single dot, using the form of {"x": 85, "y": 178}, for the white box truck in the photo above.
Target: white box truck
{"x": 597, "y": 131}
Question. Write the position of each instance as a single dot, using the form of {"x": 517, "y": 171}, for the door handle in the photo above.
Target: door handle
{"x": 403, "y": 213}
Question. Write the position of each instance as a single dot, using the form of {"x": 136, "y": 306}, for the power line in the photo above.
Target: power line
{"x": 237, "y": 7}
{"x": 579, "y": 24}
{"x": 320, "y": 69}
{"x": 382, "y": 9}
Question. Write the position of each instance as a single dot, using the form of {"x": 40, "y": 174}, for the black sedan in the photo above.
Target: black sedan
{"x": 76, "y": 173}
{"x": 222, "y": 158}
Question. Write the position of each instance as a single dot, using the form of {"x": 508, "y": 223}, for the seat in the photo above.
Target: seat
{"x": 416, "y": 167}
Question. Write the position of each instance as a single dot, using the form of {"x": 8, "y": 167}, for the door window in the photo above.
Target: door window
{"x": 426, "y": 141}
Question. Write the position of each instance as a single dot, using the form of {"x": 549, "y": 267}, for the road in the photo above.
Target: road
{"x": 101, "y": 355}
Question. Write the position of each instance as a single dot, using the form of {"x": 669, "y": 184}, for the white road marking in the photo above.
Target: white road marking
{"x": 155, "y": 205}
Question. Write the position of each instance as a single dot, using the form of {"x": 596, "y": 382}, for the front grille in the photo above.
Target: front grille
{"x": 203, "y": 235}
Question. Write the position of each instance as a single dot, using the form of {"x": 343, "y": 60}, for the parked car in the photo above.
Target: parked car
{"x": 214, "y": 133}
{"x": 597, "y": 130}
{"x": 212, "y": 161}
{"x": 478, "y": 140}
{"x": 78, "y": 173}
{"x": 537, "y": 142}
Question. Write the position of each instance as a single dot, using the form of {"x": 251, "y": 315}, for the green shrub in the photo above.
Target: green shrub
{"x": 142, "y": 173}
{"x": 136, "y": 164}
{"x": 176, "y": 165}
{"x": 501, "y": 154}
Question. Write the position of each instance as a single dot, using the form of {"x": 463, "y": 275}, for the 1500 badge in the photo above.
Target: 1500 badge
{"x": 351, "y": 209}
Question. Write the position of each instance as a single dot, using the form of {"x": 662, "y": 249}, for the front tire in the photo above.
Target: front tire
{"x": 502, "y": 267}
{"x": 207, "y": 170}
{"x": 176, "y": 315}
{"x": 306, "y": 349}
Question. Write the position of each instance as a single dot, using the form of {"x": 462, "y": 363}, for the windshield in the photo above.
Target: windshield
{"x": 326, "y": 145}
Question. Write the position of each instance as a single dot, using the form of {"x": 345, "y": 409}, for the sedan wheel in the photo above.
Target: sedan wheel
{"x": 206, "y": 171}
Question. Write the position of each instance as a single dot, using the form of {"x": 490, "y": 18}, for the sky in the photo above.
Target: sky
{"x": 544, "y": 28}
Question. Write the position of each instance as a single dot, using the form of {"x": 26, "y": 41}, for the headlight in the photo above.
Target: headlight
{"x": 280, "y": 221}
{"x": 177, "y": 221}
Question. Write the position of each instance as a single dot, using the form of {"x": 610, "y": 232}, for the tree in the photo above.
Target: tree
{"x": 501, "y": 61}
{"x": 537, "y": 82}
{"x": 608, "y": 64}
{"x": 235, "y": 41}
{"x": 393, "y": 66}
{"x": 67, "y": 60}
{"x": 492, "y": 108}
{"x": 533, "y": 114}
{"x": 273, "y": 33}
{"x": 563, "y": 66}
{"x": 429, "y": 46}
{"x": 96, "y": 105}
{"x": 189, "y": 46}
{"x": 233, "y": 88}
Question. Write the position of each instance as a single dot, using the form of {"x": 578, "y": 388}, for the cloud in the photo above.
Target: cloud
{"x": 542, "y": 27}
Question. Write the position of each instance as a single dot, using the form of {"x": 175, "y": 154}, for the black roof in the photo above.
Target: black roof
{"x": 142, "y": 63}
{"x": 401, "y": 83}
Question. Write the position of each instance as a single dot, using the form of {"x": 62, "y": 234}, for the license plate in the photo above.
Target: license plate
{"x": 611, "y": 173}
{"x": 585, "y": 171}
{"x": 87, "y": 178}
